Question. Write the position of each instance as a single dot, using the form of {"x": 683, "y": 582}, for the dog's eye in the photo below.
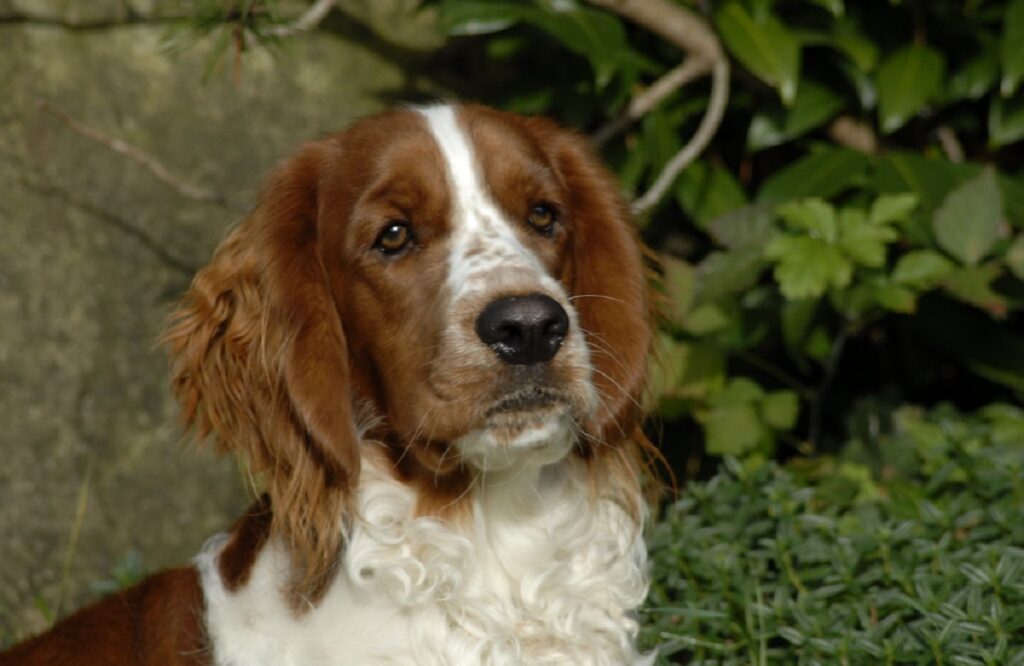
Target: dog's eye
{"x": 394, "y": 237}
{"x": 542, "y": 217}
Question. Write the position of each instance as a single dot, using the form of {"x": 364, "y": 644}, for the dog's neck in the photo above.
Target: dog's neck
{"x": 537, "y": 570}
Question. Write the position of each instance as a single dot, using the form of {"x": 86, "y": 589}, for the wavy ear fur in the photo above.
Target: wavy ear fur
{"x": 611, "y": 294}
{"x": 610, "y": 290}
{"x": 259, "y": 361}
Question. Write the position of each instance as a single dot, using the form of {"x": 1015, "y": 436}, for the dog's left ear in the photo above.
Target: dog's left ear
{"x": 260, "y": 361}
{"x": 609, "y": 289}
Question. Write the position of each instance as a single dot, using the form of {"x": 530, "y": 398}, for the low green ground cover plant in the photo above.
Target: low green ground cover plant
{"x": 906, "y": 551}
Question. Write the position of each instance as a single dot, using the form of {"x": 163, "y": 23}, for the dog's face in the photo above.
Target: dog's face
{"x": 459, "y": 284}
{"x": 451, "y": 261}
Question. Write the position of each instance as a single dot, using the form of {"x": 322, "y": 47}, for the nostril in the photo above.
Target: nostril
{"x": 523, "y": 329}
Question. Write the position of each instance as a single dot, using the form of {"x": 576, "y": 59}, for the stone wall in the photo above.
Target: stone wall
{"x": 95, "y": 250}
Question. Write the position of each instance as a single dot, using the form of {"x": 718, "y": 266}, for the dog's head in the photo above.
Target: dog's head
{"x": 459, "y": 284}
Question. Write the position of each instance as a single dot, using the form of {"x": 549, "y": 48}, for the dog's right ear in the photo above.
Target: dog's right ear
{"x": 260, "y": 363}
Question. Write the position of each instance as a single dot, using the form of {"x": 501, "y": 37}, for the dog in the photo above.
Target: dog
{"x": 428, "y": 341}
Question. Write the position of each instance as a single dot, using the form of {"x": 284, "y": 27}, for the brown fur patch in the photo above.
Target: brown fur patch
{"x": 159, "y": 622}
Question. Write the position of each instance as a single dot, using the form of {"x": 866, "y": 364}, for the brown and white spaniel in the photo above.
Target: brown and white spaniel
{"x": 429, "y": 343}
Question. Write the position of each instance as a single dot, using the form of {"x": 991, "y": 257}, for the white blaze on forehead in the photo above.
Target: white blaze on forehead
{"x": 483, "y": 239}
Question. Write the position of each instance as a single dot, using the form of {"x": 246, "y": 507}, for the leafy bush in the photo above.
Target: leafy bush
{"x": 818, "y": 563}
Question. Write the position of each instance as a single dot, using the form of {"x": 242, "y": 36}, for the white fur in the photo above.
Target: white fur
{"x": 483, "y": 239}
{"x": 540, "y": 573}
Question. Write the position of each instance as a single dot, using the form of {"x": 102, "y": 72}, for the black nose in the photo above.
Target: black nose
{"x": 523, "y": 329}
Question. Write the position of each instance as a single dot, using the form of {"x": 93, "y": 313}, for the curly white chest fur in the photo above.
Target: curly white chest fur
{"x": 542, "y": 573}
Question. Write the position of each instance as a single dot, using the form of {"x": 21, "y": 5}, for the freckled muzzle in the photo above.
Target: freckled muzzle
{"x": 523, "y": 330}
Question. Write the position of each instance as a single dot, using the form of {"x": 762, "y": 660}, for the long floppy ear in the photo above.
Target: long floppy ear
{"x": 259, "y": 361}
{"x": 610, "y": 291}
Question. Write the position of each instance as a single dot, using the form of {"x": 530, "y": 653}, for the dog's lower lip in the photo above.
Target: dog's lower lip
{"x": 526, "y": 402}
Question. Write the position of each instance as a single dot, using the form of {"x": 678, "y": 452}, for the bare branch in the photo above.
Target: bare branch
{"x": 671, "y": 21}
{"x": 134, "y": 154}
{"x": 950, "y": 144}
{"x": 698, "y": 142}
{"x": 309, "y": 20}
{"x": 690, "y": 32}
{"x": 677, "y": 77}
{"x": 153, "y": 245}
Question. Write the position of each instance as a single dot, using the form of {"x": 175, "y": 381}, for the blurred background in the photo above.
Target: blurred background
{"x": 833, "y": 192}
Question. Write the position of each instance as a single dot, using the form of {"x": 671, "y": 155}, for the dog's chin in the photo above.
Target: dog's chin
{"x": 511, "y": 438}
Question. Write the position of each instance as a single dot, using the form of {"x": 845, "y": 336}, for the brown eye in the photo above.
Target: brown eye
{"x": 542, "y": 217}
{"x": 394, "y": 237}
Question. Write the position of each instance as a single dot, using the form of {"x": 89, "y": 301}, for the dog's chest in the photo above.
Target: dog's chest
{"x": 544, "y": 577}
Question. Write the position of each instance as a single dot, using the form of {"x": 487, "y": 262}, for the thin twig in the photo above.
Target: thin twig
{"x": 134, "y": 154}
{"x": 130, "y": 18}
{"x": 646, "y": 101}
{"x": 778, "y": 373}
{"x": 309, "y": 20}
{"x": 950, "y": 144}
{"x": 690, "y": 32}
{"x": 81, "y": 503}
{"x": 853, "y": 133}
{"x": 154, "y": 246}
{"x": 831, "y": 367}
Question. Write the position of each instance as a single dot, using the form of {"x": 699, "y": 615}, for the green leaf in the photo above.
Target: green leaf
{"x": 705, "y": 192}
{"x": 807, "y": 267}
{"x": 659, "y": 138}
{"x": 863, "y": 241}
{"x": 892, "y": 208}
{"x": 975, "y": 78}
{"x": 1013, "y": 47}
{"x": 834, "y": 7}
{"x": 732, "y": 425}
{"x": 869, "y": 294}
{"x": 732, "y": 429}
{"x": 930, "y": 179}
{"x": 823, "y": 174}
{"x": 813, "y": 106}
{"x": 678, "y": 280}
{"x": 795, "y": 321}
{"x": 863, "y": 84}
{"x": 724, "y": 274}
{"x": 686, "y": 371}
{"x": 750, "y": 225}
{"x": 921, "y": 269}
{"x": 764, "y": 45}
{"x": 907, "y": 80}
{"x": 973, "y": 285}
{"x": 815, "y": 216}
{"x": 598, "y": 36}
{"x": 848, "y": 38}
{"x": 1015, "y": 257}
{"x": 1005, "y": 121}
{"x": 779, "y": 409}
{"x": 969, "y": 221}
{"x": 738, "y": 391}
{"x": 481, "y": 17}
{"x": 707, "y": 318}
{"x": 972, "y": 338}
{"x": 896, "y": 298}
